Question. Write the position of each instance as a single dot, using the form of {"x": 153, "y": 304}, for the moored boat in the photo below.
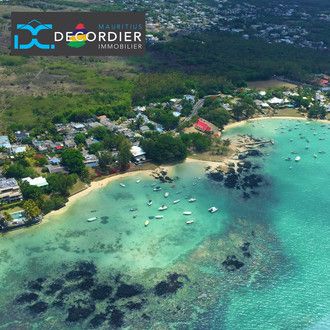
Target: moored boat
{"x": 189, "y": 222}
{"x": 166, "y": 194}
{"x": 162, "y": 208}
{"x": 213, "y": 209}
{"x": 149, "y": 202}
{"x": 157, "y": 188}
{"x": 146, "y": 223}
{"x": 122, "y": 185}
{"x": 297, "y": 159}
{"x": 176, "y": 201}
{"x": 187, "y": 213}
{"x": 159, "y": 217}
{"x": 91, "y": 219}
{"x": 191, "y": 200}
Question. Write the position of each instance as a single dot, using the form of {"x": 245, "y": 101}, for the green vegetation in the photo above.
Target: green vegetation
{"x": 93, "y": 93}
{"x": 164, "y": 148}
{"x": 245, "y": 108}
{"x": 317, "y": 111}
{"x": 73, "y": 161}
{"x": 214, "y": 113}
{"x": 164, "y": 117}
{"x": 197, "y": 142}
{"x": 31, "y": 209}
{"x": 124, "y": 155}
{"x": 18, "y": 170}
{"x": 159, "y": 87}
{"x": 239, "y": 60}
{"x": 61, "y": 183}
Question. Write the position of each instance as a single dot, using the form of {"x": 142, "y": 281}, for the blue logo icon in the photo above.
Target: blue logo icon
{"x": 34, "y": 33}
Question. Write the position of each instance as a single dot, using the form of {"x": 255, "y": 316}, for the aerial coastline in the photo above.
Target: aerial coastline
{"x": 101, "y": 183}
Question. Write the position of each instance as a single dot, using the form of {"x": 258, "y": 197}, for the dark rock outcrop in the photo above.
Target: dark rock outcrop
{"x": 232, "y": 263}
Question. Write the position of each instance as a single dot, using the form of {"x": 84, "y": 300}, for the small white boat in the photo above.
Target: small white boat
{"x": 157, "y": 189}
{"x": 122, "y": 185}
{"x": 315, "y": 155}
{"x": 146, "y": 223}
{"x": 92, "y": 219}
{"x": 189, "y": 222}
{"x": 138, "y": 180}
{"x": 166, "y": 194}
{"x": 213, "y": 209}
{"x": 297, "y": 159}
{"x": 191, "y": 200}
{"x": 159, "y": 217}
{"x": 187, "y": 213}
{"x": 176, "y": 201}
{"x": 162, "y": 208}
{"x": 149, "y": 202}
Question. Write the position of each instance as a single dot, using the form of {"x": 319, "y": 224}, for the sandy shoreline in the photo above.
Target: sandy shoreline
{"x": 94, "y": 186}
{"x": 104, "y": 182}
{"x": 242, "y": 122}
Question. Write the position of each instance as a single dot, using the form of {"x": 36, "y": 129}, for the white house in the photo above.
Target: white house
{"x": 138, "y": 154}
{"x": 275, "y": 100}
{"x": 38, "y": 182}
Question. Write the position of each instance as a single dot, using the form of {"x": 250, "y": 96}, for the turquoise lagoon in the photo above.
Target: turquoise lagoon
{"x": 284, "y": 285}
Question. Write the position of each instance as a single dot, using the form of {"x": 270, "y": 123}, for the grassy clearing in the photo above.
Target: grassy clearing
{"x": 77, "y": 187}
{"x": 271, "y": 83}
{"x": 288, "y": 113}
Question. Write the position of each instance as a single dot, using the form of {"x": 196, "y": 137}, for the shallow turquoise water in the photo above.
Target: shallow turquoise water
{"x": 293, "y": 208}
{"x": 300, "y": 298}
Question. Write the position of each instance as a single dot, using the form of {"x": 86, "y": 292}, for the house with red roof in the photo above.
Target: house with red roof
{"x": 203, "y": 126}
{"x": 324, "y": 82}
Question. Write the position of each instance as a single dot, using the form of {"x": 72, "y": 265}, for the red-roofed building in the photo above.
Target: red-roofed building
{"x": 324, "y": 82}
{"x": 201, "y": 125}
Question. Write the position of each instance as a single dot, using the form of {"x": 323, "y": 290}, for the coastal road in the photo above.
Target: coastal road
{"x": 198, "y": 105}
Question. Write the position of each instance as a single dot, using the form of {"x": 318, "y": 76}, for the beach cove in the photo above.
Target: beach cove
{"x": 69, "y": 273}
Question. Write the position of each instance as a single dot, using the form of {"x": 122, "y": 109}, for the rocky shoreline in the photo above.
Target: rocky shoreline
{"x": 240, "y": 170}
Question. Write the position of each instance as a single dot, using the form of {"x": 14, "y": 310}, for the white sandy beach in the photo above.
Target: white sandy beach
{"x": 102, "y": 183}
{"x": 242, "y": 122}
{"x": 93, "y": 186}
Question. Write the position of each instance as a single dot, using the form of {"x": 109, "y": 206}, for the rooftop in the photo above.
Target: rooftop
{"x": 8, "y": 183}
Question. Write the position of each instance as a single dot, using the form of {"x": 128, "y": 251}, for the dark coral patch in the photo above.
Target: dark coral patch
{"x": 85, "y": 284}
{"x": 76, "y": 275}
{"x": 98, "y": 320}
{"x": 128, "y": 290}
{"x": 104, "y": 220}
{"x": 54, "y": 287}
{"x": 27, "y": 297}
{"x": 101, "y": 292}
{"x": 117, "y": 318}
{"x": 87, "y": 266}
{"x": 35, "y": 285}
{"x": 134, "y": 305}
{"x": 80, "y": 311}
{"x": 83, "y": 270}
{"x": 171, "y": 285}
{"x": 39, "y": 307}
{"x": 232, "y": 263}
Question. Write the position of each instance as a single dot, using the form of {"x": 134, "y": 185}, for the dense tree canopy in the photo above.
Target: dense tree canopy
{"x": 164, "y": 148}
{"x": 199, "y": 142}
{"x": 73, "y": 160}
{"x": 61, "y": 183}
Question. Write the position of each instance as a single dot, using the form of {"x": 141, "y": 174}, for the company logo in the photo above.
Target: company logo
{"x": 78, "y": 37}
{"x": 78, "y": 33}
{"x": 34, "y": 31}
